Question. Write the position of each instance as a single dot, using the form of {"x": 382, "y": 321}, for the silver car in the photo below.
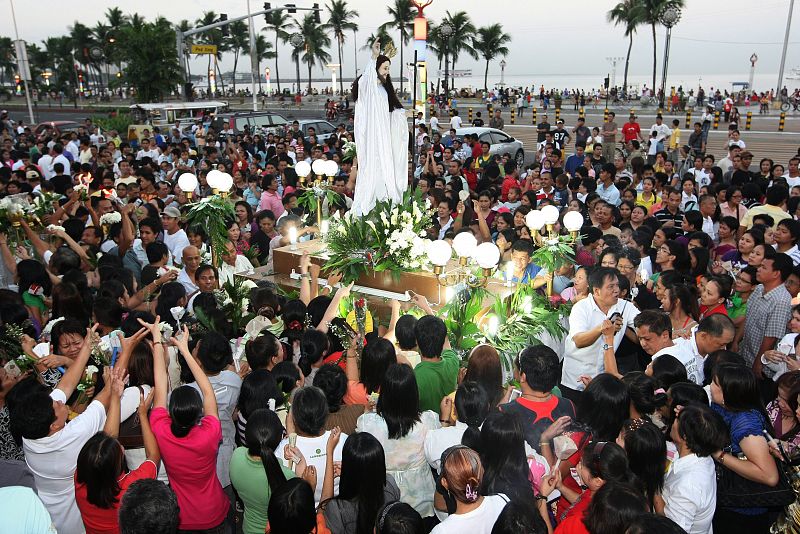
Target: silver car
{"x": 499, "y": 142}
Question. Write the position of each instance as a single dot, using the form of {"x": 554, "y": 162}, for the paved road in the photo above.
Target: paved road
{"x": 763, "y": 140}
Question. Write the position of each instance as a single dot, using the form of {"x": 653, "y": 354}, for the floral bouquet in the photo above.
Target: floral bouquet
{"x": 101, "y": 350}
{"x": 44, "y": 204}
{"x": 88, "y": 380}
{"x": 108, "y": 219}
{"x": 19, "y": 365}
{"x": 348, "y": 151}
{"x": 83, "y": 191}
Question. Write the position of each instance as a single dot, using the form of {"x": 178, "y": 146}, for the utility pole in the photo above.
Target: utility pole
{"x": 785, "y": 46}
{"x": 23, "y": 65}
{"x": 180, "y": 36}
{"x": 253, "y": 60}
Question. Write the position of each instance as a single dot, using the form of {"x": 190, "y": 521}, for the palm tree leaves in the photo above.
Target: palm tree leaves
{"x": 490, "y": 42}
{"x": 316, "y": 41}
{"x": 340, "y": 20}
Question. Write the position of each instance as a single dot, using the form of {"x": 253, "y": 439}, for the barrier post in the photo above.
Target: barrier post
{"x": 748, "y": 121}
{"x": 716, "y": 120}
{"x": 782, "y": 121}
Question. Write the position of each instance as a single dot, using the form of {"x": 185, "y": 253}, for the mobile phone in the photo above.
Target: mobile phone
{"x": 515, "y": 394}
{"x": 614, "y": 316}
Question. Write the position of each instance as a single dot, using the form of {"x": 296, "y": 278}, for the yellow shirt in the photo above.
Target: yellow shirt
{"x": 654, "y": 199}
{"x": 675, "y": 139}
{"x": 775, "y": 212}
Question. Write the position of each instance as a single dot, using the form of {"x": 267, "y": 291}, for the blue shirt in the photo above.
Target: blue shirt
{"x": 529, "y": 274}
{"x": 610, "y": 194}
{"x": 572, "y": 163}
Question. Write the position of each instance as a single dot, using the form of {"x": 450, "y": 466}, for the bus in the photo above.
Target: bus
{"x": 166, "y": 114}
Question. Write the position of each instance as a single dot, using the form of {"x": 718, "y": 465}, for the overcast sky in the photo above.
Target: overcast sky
{"x": 574, "y": 37}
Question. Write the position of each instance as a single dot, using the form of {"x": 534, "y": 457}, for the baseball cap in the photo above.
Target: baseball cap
{"x": 171, "y": 211}
{"x": 127, "y": 181}
{"x": 32, "y": 175}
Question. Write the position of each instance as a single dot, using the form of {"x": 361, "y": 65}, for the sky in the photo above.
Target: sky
{"x": 712, "y": 36}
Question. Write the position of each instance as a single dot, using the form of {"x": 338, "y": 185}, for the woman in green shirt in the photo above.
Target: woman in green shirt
{"x": 34, "y": 286}
{"x": 255, "y": 471}
{"x": 745, "y": 284}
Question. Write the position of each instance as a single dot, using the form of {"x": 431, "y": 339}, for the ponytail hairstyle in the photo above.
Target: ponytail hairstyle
{"x": 313, "y": 347}
{"x": 463, "y": 471}
{"x": 294, "y": 317}
{"x": 472, "y": 407}
{"x": 642, "y": 390}
{"x": 185, "y": 410}
{"x": 262, "y": 436}
{"x": 608, "y": 461}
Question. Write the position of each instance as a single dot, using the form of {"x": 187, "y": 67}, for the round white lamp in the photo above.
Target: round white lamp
{"x": 439, "y": 253}
{"x": 464, "y": 244}
{"x": 573, "y": 221}
{"x": 534, "y": 220}
{"x": 331, "y": 168}
{"x": 187, "y": 182}
{"x": 226, "y": 182}
{"x": 302, "y": 169}
{"x": 550, "y": 214}
{"x": 487, "y": 256}
{"x": 215, "y": 180}
{"x": 319, "y": 166}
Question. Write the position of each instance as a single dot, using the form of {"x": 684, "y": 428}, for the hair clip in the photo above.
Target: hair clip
{"x": 471, "y": 494}
{"x": 635, "y": 424}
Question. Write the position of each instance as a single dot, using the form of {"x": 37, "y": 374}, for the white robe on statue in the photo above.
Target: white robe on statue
{"x": 381, "y": 145}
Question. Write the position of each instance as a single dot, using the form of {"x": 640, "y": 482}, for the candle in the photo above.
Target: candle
{"x": 509, "y": 272}
{"x": 324, "y": 227}
{"x": 293, "y": 237}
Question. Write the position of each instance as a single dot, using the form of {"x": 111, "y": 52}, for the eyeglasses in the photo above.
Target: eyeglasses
{"x": 744, "y": 280}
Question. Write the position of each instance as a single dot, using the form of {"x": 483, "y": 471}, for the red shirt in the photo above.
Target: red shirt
{"x": 705, "y": 311}
{"x": 105, "y": 520}
{"x": 191, "y": 464}
{"x": 508, "y": 183}
{"x": 573, "y": 523}
{"x": 630, "y": 131}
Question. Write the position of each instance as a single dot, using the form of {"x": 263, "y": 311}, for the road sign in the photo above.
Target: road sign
{"x": 204, "y": 49}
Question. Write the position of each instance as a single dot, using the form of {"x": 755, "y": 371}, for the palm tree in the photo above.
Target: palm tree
{"x": 83, "y": 40}
{"x": 402, "y": 14}
{"x": 627, "y": 13}
{"x": 238, "y": 41}
{"x": 277, "y": 21}
{"x": 8, "y": 63}
{"x": 381, "y": 36}
{"x": 263, "y": 52}
{"x": 136, "y": 21}
{"x": 457, "y": 43}
{"x": 213, "y": 37}
{"x": 340, "y": 21}
{"x": 115, "y": 18}
{"x": 316, "y": 41}
{"x": 490, "y": 43}
{"x": 59, "y": 53}
{"x": 649, "y": 12}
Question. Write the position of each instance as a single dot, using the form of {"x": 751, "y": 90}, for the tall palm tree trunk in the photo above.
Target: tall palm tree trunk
{"x": 355, "y": 56}
{"x": 627, "y": 63}
{"x": 401, "y": 65}
{"x": 309, "y": 77}
{"x": 277, "y": 74}
{"x": 655, "y": 60}
{"x": 486, "y": 76}
{"x": 341, "y": 83}
{"x": 235, "y": 64}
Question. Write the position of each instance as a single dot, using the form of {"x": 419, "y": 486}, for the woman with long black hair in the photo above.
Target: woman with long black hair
{"x": 364, "y": 487}
{"x": 646, "y": 448}
{"x": 255, "y": 471}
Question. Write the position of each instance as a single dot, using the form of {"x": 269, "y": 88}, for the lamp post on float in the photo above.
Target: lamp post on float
{"x": 420, "y": 60}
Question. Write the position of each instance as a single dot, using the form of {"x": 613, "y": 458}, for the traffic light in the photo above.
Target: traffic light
{"x": 316, "y": 14}
{"x": 291, "y": 8}
{"x": 267, "y": 7}
{"x": 222, "y": 18}
{"x": 605, "y": 82}
{"x": 18, "y": 84}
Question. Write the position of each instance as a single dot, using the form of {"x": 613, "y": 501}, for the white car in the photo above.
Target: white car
{"x": 499, "y": 142}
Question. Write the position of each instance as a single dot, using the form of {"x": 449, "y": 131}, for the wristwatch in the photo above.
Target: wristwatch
{"x": 606, "y": 346}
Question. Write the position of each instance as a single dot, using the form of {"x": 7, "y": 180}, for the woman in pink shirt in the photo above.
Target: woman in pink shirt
{"x": 733, "y": 207}
{"x": 189, "y": 435}
{"x": 270, "y": 199}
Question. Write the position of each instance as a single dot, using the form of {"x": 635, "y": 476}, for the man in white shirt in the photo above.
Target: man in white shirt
{"x": 73, "y": 146}
{"x": 714, "y": 333}
{"x": 191, "y": 260}
{"x": 793, "y": 174}
{"x": 434, "y": 122}
{"x": 455, "y": 121}
{"x": 46, "y": 164}
{"x": 174, "y": 236}
{"x": 232, "y": 263}
{"x": 662, "y": 132}
{"x": 584, "y": 345}
{"x": 51, "y": 445}
{"x": 707, "y": 205}
{"x": 690, "y": 486}
{"x": 654, "y": 329}
{"x": 59, "y": 157}
{"x": 146, "y": 151}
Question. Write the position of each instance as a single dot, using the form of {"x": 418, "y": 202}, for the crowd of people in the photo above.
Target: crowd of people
{"x": 132, "y": 404}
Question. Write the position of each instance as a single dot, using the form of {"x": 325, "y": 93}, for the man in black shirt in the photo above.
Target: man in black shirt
{"x": 542, "y": 128}
{"x": 582, "y": 133}
{"x": 477, "y": 122}
{"x": 61, "y": 182}
{"x": 437, "y": 147}
{"x": 560, "y": 135}
{"x": 696, "y": 141}
{"x": 671, "y": 215}
{"x": 597, "y": 158}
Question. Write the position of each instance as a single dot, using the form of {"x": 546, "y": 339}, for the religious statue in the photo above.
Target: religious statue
{"x": 381, "y": 135}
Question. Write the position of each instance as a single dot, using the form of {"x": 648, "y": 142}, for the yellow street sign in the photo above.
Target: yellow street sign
{"x": 204, "y": 49}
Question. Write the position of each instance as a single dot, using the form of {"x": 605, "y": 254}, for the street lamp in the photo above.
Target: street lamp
{"x": 297, "y": 40}
{"x": 503, "y": 72}
{"x": 446, "y": 31}
{"x": 668, "y": 18}
{"x": 266, "y": 75}
{"x": 753, "y": 59}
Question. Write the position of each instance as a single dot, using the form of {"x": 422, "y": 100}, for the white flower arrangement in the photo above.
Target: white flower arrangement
{"x": 55, "y": 228}
{"x": 111, "y": 218}
{"x": 166, "y": 330}
{"x": 348, "y": 151}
